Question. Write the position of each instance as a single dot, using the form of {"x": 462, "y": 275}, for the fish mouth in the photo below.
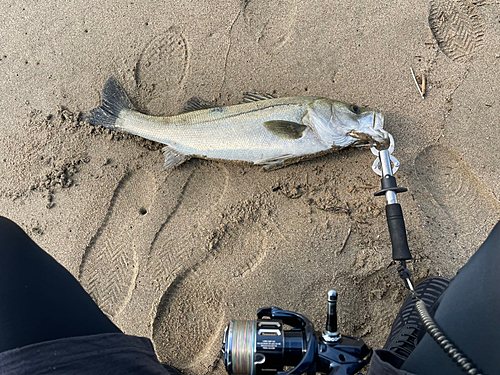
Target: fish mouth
{"x": 380, "y": 136}
{"x": 371, "y": 131}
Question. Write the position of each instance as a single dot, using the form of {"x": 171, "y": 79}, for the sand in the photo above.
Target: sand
{"x": 174, "y": 255}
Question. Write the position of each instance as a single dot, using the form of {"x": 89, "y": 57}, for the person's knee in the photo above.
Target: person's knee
{"x": 13, "y": 238}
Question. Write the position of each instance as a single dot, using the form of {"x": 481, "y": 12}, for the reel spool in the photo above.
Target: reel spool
{"x": 255, "y": 346}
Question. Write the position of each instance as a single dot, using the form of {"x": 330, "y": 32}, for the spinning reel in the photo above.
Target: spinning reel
{"x": 263, "y": 346}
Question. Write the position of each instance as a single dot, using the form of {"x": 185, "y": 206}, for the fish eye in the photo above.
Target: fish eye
{"x": 354, "y": 108}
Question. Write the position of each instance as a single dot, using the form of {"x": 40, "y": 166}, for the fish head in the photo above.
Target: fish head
{"x": 345, "y": 124}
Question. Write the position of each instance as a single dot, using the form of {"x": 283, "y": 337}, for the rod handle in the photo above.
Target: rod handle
{"x": 397, "y": 231}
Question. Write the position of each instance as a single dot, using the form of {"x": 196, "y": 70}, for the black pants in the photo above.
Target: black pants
{"x": 41, "y": 301}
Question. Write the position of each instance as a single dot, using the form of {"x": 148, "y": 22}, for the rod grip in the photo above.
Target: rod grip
{"x": 397, "y": 230}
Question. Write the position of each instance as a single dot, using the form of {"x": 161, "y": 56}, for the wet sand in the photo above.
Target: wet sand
{"x": 174, "y": 255}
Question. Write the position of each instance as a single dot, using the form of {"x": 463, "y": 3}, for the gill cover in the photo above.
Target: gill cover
{"x": 337, "y": 124}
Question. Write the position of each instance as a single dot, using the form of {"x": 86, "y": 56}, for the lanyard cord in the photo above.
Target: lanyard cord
{"x": 443, "y": 341}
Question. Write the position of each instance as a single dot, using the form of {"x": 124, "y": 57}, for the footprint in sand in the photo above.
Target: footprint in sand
{"x": 457, "y": 27}
{"x": 173, "y": 237}
{"x": 455, "y": 188}
{"x": 251, "y": 240}
{"x": 162, "y": 66}
{"x": 110, "y": 262}
{"x": 189, "y": 318}
{"x": 271, "y": 22}
{"x": 179, "y": 242}
{"x": 191, "y": 315}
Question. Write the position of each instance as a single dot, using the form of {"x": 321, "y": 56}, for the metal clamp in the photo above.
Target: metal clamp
{"x": 389, "y": 158}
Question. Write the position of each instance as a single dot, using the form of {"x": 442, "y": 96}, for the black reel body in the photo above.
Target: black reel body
{"x": 263, "y": 346}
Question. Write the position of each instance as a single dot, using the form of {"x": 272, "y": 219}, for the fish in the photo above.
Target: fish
{"x": 263, "y": 130}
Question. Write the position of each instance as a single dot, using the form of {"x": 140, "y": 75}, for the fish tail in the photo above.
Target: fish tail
{"x": 114, "y": 100}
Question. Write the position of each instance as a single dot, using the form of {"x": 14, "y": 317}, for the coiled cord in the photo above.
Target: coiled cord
{"x": 444, "y": 342}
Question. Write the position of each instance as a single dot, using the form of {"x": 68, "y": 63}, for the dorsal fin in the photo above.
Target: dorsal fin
{"x": 196, "y": 104}
{"x": 255, "y": 96}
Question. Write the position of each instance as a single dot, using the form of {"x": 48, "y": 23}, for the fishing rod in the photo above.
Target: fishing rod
{"x": 264, "y": 346}
{"x": 401, "y": 253}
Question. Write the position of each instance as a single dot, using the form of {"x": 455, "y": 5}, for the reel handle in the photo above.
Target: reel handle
{"x": 331, "y": 315}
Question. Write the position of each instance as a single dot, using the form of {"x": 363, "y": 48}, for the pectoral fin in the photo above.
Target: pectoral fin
{"x": 285, "y": 129}
{"x": 274, "y": 163}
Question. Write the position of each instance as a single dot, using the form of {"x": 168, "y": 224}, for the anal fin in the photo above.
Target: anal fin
{"x": 173, "y": 158}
